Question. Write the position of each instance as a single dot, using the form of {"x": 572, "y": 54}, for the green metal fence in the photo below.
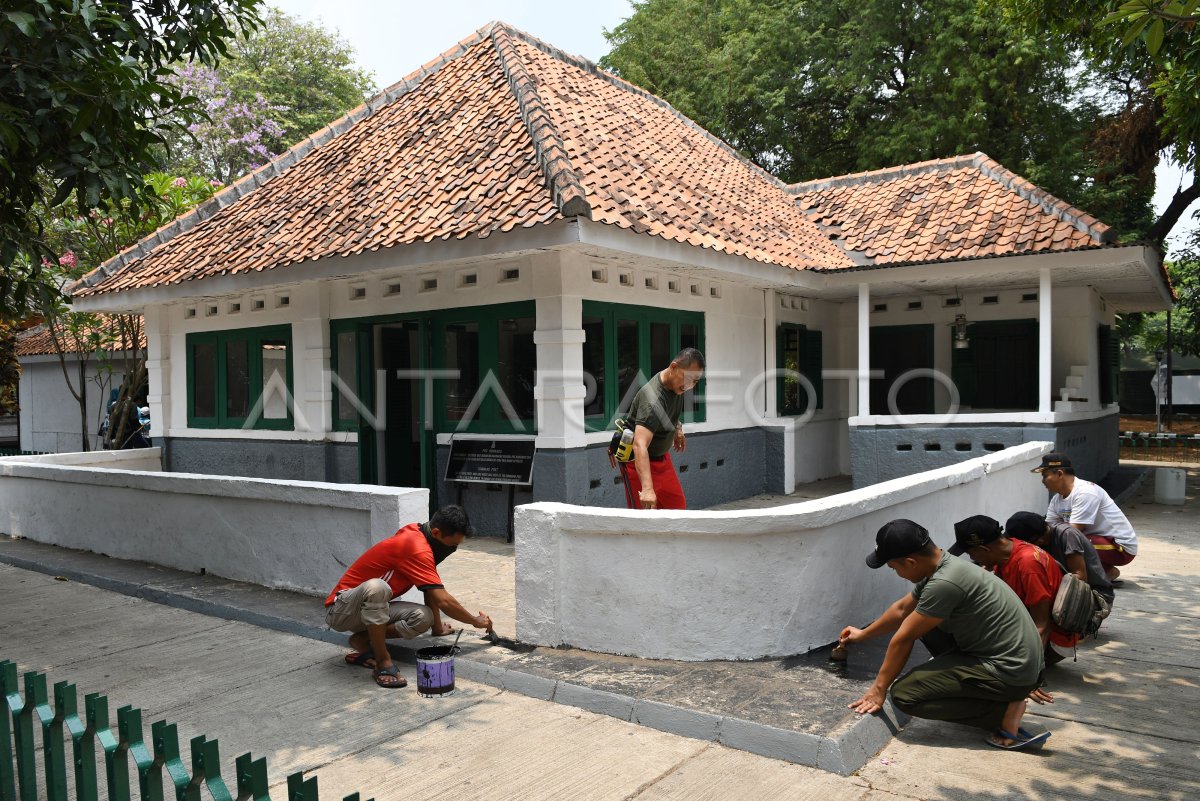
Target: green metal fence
{"x": 158, "y": 763}
{"x": 1165, "y": 447}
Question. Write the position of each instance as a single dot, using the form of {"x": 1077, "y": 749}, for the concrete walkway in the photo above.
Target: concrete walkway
{"x": 1123, "y": 721}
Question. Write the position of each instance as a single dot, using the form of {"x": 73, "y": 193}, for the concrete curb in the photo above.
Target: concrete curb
{"x": 843, "y": 751}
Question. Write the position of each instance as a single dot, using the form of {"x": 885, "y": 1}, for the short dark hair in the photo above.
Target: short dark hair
{"x": 688, "y": 357}
{"x": 451, "y": 520}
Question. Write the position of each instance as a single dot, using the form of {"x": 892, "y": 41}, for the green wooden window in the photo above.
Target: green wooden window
{"x": 798, "y": 350}
{"x": 240, "y": 378}
{"x": 626, "y": 345}
{"x": 491, "y": 347}
{"x": 1109, "y": 351}
{"x": 999, "y": 370}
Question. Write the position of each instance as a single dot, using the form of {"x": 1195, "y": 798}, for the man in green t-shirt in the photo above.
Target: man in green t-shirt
{"x": 654, "y": 415}
{"x": 987, "y": 651}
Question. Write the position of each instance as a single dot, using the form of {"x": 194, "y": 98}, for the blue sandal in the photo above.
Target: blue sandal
{"x": 389, "y": 677}
{"x": 1021, "y": 740}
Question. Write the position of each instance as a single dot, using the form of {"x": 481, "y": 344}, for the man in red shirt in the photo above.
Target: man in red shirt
{"x": 1031, "y": 573}
{"x": 362, "y": 602}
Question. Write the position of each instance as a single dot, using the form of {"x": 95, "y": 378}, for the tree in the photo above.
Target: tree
{"x": 234, "y": 137}
{"x": 282, "y": 81}
{"x": 305, "y": 71}
{"x": 86, "y": 241}
{"x": 1149, "y": 45}
{"x": 85, "y": 108}
{"x": 810, "y": 90}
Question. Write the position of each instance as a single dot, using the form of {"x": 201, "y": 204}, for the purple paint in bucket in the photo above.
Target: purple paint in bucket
{"x": 435, "y": 671}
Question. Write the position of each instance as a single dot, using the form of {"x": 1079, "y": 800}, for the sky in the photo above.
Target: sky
{"x": 394, "y": 37}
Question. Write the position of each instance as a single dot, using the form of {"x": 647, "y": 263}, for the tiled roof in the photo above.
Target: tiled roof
{"x": 958, "y": 208}
{"x": 38, "y": 341}
{"x": 502, "y": 131}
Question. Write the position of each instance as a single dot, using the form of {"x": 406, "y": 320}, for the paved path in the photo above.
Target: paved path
{"x": 1123, "y": 722}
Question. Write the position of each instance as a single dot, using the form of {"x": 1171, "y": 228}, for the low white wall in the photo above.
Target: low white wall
{"x": 293, "y": 535}
{"x": 144, "y": 459}
{"x": 699, "y": 585}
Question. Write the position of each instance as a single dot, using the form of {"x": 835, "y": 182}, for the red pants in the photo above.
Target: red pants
{"x": 1111, "y": 554}
{"x": 666, "y": 484}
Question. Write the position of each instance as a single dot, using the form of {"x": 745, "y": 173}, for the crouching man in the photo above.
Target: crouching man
{"x": 987, "y": 652}
{"x": 363, "y": 602}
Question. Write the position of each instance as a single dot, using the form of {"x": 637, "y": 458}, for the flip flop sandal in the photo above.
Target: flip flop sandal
{"x": 361, "y": 659}
{"x": 1020, "y": 741}
{"x": 389, "y": 672}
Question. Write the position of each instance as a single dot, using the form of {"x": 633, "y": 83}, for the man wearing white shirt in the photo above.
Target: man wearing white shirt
{"x": 1088, "y": 508}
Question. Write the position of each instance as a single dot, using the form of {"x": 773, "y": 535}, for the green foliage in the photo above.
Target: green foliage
{"x": 299, "y": 67}
{"x": 10, "y": 368}
{"x": 84, "y": 107}
{"x": 811, "y": 89}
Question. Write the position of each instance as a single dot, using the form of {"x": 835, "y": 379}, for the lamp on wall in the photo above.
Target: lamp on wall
{"x": 960, "y": 331}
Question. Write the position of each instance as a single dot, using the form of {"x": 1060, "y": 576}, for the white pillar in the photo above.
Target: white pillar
{"x": 1045, "y": 352}
{"x": 864, "y": 350}
{"x": 158, "y": 372}
{"x": 770, "y": 298}
{"x": 560, "y": 391}
{"x": 312, "y": 390}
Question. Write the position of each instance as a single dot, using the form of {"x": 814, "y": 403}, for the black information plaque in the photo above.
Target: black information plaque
{"x": 491, "y": 461}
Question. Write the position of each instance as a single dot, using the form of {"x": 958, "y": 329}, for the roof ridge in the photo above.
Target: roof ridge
{"x": 1080, "y": 219}
{"x": 284, "y": 161}
{"x": 592, "y": 68}
{"x": 566, "y": 185}
{"x": 868, "y": 176}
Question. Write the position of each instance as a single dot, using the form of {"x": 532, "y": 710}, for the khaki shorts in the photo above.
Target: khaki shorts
{"x": 371, "y": 604}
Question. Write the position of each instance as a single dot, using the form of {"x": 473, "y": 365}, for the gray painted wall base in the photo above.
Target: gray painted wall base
{"x": 716, "y": 468}
{"x": 881, "y": 453}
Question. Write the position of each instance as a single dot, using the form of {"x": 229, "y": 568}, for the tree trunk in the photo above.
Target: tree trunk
{"x": 1179, "y": 204}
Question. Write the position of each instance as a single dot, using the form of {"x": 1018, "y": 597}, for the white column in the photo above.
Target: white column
{"x": 1045, "y": 352}
{"x": 864, "y": 350}
{"x": 560, "y": 391}
{"x": 158, "y": 372}
{"x": 312, "y": 390}
{"x": 770, "y": 298}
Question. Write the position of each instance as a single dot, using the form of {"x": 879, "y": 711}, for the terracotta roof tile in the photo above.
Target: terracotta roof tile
{"x": 501, "y": 131}
{"x": 38, "y": 341}
{"x": 959, "y": 208}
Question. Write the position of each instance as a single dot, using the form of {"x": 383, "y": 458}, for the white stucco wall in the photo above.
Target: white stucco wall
{"x": 745, "y": 584}
{"x": 288, "y": 535}
{"x": 50, "y": 413}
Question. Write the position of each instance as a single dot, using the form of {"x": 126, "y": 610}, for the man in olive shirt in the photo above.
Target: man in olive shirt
{"x": 988, "y": 655}
{"x": 651, "y": 482}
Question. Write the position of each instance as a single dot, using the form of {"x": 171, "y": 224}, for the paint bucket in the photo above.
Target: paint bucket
{"x": 435, "y": 670}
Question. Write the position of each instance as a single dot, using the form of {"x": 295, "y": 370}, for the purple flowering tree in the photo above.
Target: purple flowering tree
{"x": 232, "y": 141}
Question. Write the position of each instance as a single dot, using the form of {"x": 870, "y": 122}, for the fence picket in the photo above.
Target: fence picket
{"x": 251, "y": 778}
{"x": 54, "y": 760}
{"x": 8, "y": 687}
{"x": 300, "y": 788}
{"x": 129, "y": 724}
{"x": 116, "y": 765}
{"x": 22, "y": 717}
{"x": 83, "y": 750}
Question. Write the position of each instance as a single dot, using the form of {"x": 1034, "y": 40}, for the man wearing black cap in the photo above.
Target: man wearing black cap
{"x": 1088, "y": 508}
{"x": 1066, "y": 544}
{"x": 1031, "y": 573}
{"x": 994, "y": 658}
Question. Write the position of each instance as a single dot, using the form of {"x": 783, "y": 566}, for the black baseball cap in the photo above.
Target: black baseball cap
{"x": 897, "y": 539}
{"x": 973, "y": 532}
{"x": 1028, "y": 526}
{"x": 1054, "y": 461}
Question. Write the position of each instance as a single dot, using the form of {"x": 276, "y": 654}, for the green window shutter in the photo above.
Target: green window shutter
{"x": 962, "y": 372}
{"x": 1109, "y": 354}
{"x": 811, "y": 362}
